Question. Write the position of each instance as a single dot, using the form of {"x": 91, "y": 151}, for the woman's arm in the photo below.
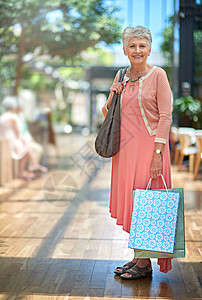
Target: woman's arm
{"x": 15, "y": 127}
{"x": 163, "y": 95}
{"x": 156, "y": 163}
{"x": 116, "y": 87}
{"x": 165, "y": 117}
{"x": 107, "y": 104}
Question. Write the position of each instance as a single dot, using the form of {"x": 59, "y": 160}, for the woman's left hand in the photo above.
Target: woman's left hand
{"x": 156, "y": 166}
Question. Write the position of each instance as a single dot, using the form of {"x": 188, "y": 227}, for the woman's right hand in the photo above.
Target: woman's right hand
{"x": 117, "y": 87}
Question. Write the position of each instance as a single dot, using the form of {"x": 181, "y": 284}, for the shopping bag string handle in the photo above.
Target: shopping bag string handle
{"x": 150, "y": 180}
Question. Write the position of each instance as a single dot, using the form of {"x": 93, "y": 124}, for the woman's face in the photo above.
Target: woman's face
{"x": 137, "y": 50}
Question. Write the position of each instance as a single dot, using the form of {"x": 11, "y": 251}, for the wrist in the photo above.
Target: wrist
{"x": 158, "y": 152}
{"x": 106, "y": 107}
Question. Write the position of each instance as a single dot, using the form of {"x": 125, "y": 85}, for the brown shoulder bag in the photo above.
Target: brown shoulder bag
{"x": 108, "y": 137}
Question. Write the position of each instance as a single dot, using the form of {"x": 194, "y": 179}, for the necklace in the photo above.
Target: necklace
{"x": 136, "y": 79}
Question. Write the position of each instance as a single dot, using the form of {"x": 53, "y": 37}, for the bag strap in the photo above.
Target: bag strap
{"x": 122, "y": 74}
{"x": 150, "y": 180}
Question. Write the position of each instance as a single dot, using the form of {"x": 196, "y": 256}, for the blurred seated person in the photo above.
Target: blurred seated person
{"x": 24, "y": 131}
{"x": 10, "y": 129}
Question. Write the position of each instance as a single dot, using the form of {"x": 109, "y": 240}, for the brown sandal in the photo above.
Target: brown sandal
{"x": 137, "y": 272}
{"x": 125, "y": 267}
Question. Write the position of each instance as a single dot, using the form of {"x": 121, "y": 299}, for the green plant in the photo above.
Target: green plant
{"x": 32, "y": 29}
{"x": 188, "y": 106}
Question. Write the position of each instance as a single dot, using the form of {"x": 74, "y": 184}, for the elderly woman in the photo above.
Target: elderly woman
{"x": 144, "y": 148}
{"x": 11, "y": 129}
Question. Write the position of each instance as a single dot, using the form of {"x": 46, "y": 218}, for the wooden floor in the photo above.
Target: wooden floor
{"x": 57, "y": 240}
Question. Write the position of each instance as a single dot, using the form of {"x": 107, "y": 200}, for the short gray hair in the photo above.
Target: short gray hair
{"x": 9, "y": 103}
{"x": 139, "y": 31}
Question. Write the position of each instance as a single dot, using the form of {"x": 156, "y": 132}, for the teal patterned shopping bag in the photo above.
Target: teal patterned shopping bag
{"x": 163, "y": 233}
{"x": 180, "y": 235}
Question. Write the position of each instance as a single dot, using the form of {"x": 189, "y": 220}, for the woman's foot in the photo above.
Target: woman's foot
{"x": 141, "y": 269}
{"x": 27, "y": 177}
{"x": 127, "y": 266}
{"x": 39, "y": 168}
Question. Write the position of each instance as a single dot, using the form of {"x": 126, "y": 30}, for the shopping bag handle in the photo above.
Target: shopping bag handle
{"x": 150, "y": 180}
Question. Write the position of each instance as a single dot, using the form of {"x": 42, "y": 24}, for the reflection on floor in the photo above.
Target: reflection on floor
{"x": 57, "y": 240}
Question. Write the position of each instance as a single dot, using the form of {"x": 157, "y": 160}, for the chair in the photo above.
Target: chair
{"x": 6, "y": 168}
{"x": 175, "y": 145}
{"x": 199, "y": 155}
{"x": 187, "y": 138}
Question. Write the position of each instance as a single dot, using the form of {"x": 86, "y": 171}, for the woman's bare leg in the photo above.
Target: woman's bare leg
{"x": 35, "y": 166}
{"x": 22, "y": 165}
{"x": 143, "y": 262}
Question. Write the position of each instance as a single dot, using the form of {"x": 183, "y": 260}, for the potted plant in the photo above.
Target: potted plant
{"x": 188, "y": 110}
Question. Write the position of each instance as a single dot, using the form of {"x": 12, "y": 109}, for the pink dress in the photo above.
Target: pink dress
{"x": 131, "y": 165}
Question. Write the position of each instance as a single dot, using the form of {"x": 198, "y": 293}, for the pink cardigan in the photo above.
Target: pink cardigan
{"x": 154, "y": 98}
